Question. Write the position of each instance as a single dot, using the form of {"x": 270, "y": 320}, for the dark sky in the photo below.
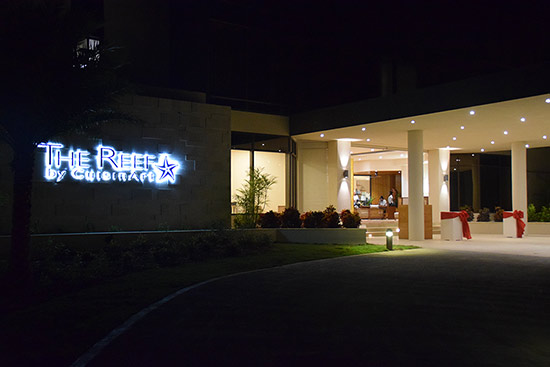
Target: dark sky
{"x": 329, "y": 52}
{"x": 307, "y": 54}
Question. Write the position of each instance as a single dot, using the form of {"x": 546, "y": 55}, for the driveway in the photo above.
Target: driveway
{"x": 425, "y": 307}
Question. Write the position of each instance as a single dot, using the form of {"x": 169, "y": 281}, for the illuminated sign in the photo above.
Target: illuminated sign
{"x": 107, "y": 164}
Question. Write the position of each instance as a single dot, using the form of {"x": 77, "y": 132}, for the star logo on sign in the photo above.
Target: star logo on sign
{"x": 167, "y": 170}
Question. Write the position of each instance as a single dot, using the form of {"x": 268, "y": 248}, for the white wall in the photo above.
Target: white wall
{"x": 312, "y": 176}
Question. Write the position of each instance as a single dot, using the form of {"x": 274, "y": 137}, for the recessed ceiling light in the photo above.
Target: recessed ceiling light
{"x": 263, "y": 145}
{"x": 363, "y": 128}
{"x": 522, "y": 119}
{"x": 372, "y": 149}
{"x": 547, "y": 100}
{"x": 402, "y": 155}
{"x": 482, "y": 149}
{"x": 505, "y": 132}
{"x": 454, "y": 169}
{"x": 492, "y": 141}
{"x": 462, "y": 127}
{"x": 544, "y": 137}
{"x": 454, "y": 137}
{"x": 473, "y": 155}
{"x": 472, "y": 112}
{"x": 359, "y": 158}
{"x": 412, "y": 121}
{"x": 322, "y": 135}
{"x": 526, "y": 145}
{"x": 448, "y": 147}
{"x": 379, "y": 157}
{"x": 368, "y": 139}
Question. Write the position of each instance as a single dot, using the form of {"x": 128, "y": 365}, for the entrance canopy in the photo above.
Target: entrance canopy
{"x": 484, "y": 128}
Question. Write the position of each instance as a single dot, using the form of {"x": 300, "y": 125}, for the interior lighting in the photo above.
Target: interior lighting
{"x": 547, "y": 100}
{"x": 522, "y": 119}
{"x": 482, "y": 149}
{"x": 448, "y": 147}
{"x": 368, "y": 139}
{"x": 322, "y": 135}
{"x": 472, "y": 112}
{"x": 363, "y": 128}
{"x": 505, "y": 132}
{"x": 526, "y": 145}
{"x": 544, "y": 137}
{"x": 379, "y": 157}
{"x": 492, "y": 141}
{"x": 454, "y": 137}
{"x": 412, "y": 121}
{"x": 473, "y": 155}
{"x": 402, "y": 155}
{"x": 462, "y": 127}
{"x": 372, "y": 149}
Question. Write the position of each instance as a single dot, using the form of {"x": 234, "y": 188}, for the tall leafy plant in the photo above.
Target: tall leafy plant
{"x": 252, "y": 197}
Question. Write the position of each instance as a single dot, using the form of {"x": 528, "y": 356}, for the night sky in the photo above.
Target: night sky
{"x": 308, "y": 54}
{"x": 318, "y": 53}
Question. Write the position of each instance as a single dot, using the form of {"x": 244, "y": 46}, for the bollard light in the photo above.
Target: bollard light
{"x": 389, "y": 239}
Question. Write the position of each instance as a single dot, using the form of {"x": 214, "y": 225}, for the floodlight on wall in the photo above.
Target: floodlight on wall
{"x": 346, "y": 173}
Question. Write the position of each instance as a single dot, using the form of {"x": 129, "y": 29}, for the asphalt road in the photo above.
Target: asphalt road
{"x": 424, "y": 307}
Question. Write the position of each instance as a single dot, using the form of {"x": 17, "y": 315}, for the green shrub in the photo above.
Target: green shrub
{"x": 291, "y": 218}
{"x": 349, "y": 219}
{"x": 532, "y": 215}
{"x": 331, "y": 219}
{"x": 58, "y": 268}
{"x": 545, "y": 214}
{"x": 270, "y": 220}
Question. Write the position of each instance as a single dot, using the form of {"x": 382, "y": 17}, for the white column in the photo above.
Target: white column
{"x": 339, "y": 162}
{"x": 416, "y": 194}
{"x": 438, "y": 168}
{"x": 519, "y": 179}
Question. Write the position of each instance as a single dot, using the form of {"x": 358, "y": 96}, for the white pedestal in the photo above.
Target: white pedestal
{"x": 451, "y": 229}
{"x": 509, "y": 227}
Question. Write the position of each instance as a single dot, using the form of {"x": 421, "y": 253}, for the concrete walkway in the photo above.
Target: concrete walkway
{"x": 489, "y": 243}
{"x": 425, "y": 307}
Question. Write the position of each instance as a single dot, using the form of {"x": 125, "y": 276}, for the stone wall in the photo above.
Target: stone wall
{"x": 197, "y": 134}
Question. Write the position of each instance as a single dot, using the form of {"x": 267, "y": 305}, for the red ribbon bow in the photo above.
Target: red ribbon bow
{"x": 463, "y": 215}
{"x": 520, "y": 225}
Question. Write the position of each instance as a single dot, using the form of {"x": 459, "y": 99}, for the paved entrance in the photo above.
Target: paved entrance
{"x": 490, "y": 243}
{"x": 425, "y": 307}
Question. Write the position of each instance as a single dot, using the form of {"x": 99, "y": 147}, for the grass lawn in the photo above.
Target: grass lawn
{"x": 59, "y": 330}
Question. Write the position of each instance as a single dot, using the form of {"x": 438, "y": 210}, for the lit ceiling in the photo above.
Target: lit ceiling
{"x": 492, "y": 127}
